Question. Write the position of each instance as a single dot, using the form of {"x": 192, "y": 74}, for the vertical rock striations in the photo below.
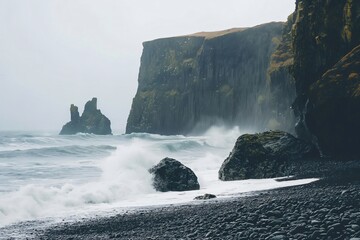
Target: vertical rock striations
{"x": 282, "y": 92}
{"x": 91, "y": 121}
{"x": 198, "y": 80}
{"x": 324, "y": 32}
{"x": 323, "y": 54}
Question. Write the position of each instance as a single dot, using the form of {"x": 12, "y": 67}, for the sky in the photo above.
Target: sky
{"x": 57, "y": 52}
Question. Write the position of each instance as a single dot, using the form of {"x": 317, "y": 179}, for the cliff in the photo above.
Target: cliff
{"x": 91, "y": 121}
{"x": 320, "y": 47}
{"x": 323, "y": 33}
{"x": 281, "y": 83}
{"x": 191, "y": 82}
{"x": 333, "y": 114}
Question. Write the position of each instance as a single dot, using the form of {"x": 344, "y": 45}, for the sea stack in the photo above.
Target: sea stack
{"x": 91, "y": 121}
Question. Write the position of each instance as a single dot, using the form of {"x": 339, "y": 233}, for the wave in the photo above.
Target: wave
{"x": 124, "y": 176}
{"x": 152, "y": 136}
{"x": 62, "y": 151}
{"x": 122, "y": 171}
{"x": 17, "y": 141}
{"x": 182, "y": 145}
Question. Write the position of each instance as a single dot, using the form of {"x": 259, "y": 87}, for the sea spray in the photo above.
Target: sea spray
{"x": 124, "y": 175}
{"x": 94, "y": 182}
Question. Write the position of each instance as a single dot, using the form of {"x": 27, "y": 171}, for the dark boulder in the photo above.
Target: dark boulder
{"x": 264, "y": 155}
{"x": 171, "y": 175}
{"x": 91, "y": 121}
{"x": 206, "y": 196}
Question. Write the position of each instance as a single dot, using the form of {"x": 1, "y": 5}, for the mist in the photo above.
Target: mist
{"x": 57, "y": 52}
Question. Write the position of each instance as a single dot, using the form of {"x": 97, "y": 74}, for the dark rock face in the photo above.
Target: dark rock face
{"x": 91, "y": 121}
{"x": 333, "y": 112}
{"x": 198, "y": 80}
{"x": 264, "y": 155}
{"x": 72, "y": 126}
{"x": 324, "y": 32}
{"x": 282, "y": 92}
{"x": 171, "y": 175}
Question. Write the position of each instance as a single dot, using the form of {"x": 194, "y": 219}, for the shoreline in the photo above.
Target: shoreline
{"x": 319, "y": 210}
{"x": 290, "y": 212}
{"x": 28, "y": 228}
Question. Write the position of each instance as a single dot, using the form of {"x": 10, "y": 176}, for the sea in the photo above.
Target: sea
{"x": 47, "y": 179}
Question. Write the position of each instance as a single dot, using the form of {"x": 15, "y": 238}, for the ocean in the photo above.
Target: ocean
{"x": 46, "y": 178}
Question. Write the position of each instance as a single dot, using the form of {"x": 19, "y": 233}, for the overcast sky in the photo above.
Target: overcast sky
{"x": 57, "y": 52}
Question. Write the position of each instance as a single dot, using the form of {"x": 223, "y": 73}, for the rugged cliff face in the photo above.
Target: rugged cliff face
{"x": 333, "y": 114}
{"x": 324, "y": 32}
{"x": 197, "y": 80}
{"x": 281, "y": 82}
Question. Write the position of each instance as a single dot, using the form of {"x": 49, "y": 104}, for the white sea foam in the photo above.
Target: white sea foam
{"x": 122, "y": 179}
{"x": 124, "y": 176}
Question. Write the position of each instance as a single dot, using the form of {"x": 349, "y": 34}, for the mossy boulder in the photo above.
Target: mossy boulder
{"x": 91, "y": 121}
{"x": 171, "y": 175}
{"x": 264, "y": 155}
{"x": 333, "y": 110}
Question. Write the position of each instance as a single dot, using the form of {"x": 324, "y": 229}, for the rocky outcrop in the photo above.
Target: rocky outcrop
{"x": 91, "y": 121}
{"x": 324, "y": 32}
{"x": 198, "y": 80}
{"x": 171, "y": 175}
{"x": 333, "y": 111}
{"x": 264, "y": 155}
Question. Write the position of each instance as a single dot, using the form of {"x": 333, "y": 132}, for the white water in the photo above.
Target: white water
{"x": 58, "y": 177}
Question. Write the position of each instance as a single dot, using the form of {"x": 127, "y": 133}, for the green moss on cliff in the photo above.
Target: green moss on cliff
{"x": 226, "y": 90}
{"x": 172, "y": 93}
{"x": 347, "y": 30}
{"x": 282, "y": 84}
{"x": 334, "y": 117}
{"x": 324, "y": 32}
{"x": 196, "y": 80}
{"x": 147, "y": 94}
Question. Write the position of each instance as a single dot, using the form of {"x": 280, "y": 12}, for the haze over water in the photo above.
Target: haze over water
{"x": 58, "y": 52}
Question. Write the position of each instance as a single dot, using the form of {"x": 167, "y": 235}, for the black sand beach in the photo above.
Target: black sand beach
{"x": 326, "y": 209}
